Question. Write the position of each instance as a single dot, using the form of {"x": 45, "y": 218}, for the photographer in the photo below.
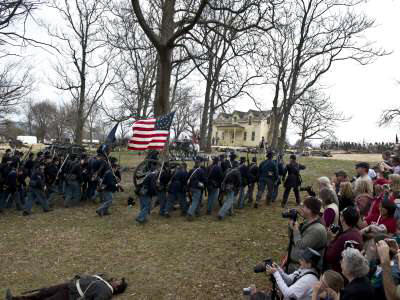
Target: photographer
{"x": 298, "y": 285}
{"x": 309, "y": 234}
{"x": 349, "y": 232}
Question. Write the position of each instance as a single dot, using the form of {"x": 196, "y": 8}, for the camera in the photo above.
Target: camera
{"x": 334, "y": 228}
{"x": 291, "y": 214}
{"x": 309, "y": 190}
{"x": 247, "y": 291}
{"x": 350, "y": 244}
{"x": 260, "y": 268}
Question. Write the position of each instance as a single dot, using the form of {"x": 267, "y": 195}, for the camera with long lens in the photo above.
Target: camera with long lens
{"x": 334, "y": 228}
{"x": 309, "y": 190}
{"x": 291, "y": 214}
{"x": 262, "y": 267}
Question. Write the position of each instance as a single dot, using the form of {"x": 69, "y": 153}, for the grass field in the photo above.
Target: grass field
{"x": 164, "y": 259}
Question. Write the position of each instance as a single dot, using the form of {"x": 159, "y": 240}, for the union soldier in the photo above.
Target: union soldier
{"x": 36, "y": 191}
{"x": 244, "y": 173}
{"x": 293, "y": 180}
{"x": 164, "y": 179}
{"x": 6, "y": 156}
{"x": 176, "y": 190}
{"x": 109, "y": 186}
{"x": 80, "y": 287}
{"x": 147, "y": 191}
{"x": 267, "y": 178}
{"x": 281, "y": 170}
{"x": 29, "y": 164}
{"x": 50, "y": 172}
{"x": 230, "y": 185}
{"x": 72, "y": 182}
{"x": 196, "y": 183}
{"x": 215, "y": 177}
{"x": 12, "y": 191}
{"x": 253, "y": 178}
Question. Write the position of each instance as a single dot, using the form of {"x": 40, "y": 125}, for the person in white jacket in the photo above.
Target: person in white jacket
{"x": 298, "y": 285}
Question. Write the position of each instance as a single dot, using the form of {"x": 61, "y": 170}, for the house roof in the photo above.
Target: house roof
{"x": 242, "y": 114}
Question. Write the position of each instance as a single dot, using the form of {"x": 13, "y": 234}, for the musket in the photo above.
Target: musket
{"x": 62, "y": 165}
{"x": 116, "y": 178}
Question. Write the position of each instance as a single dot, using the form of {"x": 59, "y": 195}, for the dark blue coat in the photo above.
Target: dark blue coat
{"x": 37, "y": 180}
{"x": 215, "y": 176}
{"x": 293, "y": 178}
{"x": 110, "y": 182}
{"x": 178, "y": 181}
{"x": 244, "y": 174}
{"x": 253, "y": 173}
{"x": 196, "y": 177}
{"x": 268, "y": 169}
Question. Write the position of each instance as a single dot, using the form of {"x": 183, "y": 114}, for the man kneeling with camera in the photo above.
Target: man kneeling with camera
{"x": 297, "y": 285}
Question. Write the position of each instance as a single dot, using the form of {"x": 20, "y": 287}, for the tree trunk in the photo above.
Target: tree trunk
{"x": 161, "y": 103}
{"x": 205, "y": 117}
{"x": 284, "y": 126}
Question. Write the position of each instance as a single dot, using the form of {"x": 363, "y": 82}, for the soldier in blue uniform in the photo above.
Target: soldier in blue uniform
{"x": 293, "y": 180}
{"x": 109, "y": 187}
{"x": 253, "y": 178}
{"x": 162, "y": 184}
{"x": 281, "y": 170}
{"x": 196, "y": 182}
{"x": 177, "y": 190}
{"x": 214, "y": 180}
{"x": 268, "y": 175}
{"x": 147, "y": 191}
{"x": 230, "y": 186}
{"x": 244, "y": 173}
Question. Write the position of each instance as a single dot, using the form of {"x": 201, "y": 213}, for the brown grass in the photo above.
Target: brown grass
{"x": 164, "y": 259}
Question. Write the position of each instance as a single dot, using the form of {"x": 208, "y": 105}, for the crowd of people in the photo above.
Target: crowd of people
{"x": 347, "y": 245}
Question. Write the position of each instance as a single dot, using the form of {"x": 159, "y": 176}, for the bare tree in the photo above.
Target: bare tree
{"x": 164, "y": 36}
{"x": 15, "y": 85}
{"x": 388, "y": 116}
{"x": 313, "y": 36}
{"x": 43, "y": 116}
{"x": 315, "y": 117}
{"x": 84, "y": 66}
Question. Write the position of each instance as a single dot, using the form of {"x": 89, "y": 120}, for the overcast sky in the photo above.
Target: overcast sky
{"x": 361, "y": 92}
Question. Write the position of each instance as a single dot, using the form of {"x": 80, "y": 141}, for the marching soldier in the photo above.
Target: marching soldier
{"x": 230, "y": 186}
{"x": 177, "y": 190}
{"x": 196, "y": 183}
{"x": 253, "y": 178}
{"x": 268, "y": 171}
{"x": 244, "y": 173}
{"x": 281, "y": 170}
{"x": 147, "y": 191}
{"x": 50, "y": 172}
{"x": 72, "y": 182}
{"x": 162, "y": 184}
{"x": 109, "y": 186}
{"x": 215, "y": 177}
{"x": 36, "y": 191}
{"x": 12, "y": 192}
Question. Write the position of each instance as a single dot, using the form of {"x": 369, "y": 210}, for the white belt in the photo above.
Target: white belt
{"x": 82, "y": 294}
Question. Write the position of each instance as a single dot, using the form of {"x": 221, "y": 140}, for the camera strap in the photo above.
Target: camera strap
{"x": 298, "y": 277}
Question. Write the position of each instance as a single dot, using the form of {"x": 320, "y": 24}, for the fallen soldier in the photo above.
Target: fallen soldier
{"x": 96, "y": 287}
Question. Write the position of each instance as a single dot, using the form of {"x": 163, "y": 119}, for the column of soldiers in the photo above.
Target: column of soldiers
{"x": 227, "y": 181}
{"x": 26, "y": 180}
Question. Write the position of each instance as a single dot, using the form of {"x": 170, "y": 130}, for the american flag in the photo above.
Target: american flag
{"x": 150, "y": 134}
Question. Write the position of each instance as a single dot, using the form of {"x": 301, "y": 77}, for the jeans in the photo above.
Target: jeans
{"x": 107, "y": 201}
{"x": 212, "y": 197}
{"x": 35, "y": 194}
{"x": 91, "y": 192}
{"x": 13, "y": 196}
{"x": 275, "y": 191}
{"x": 2, "y": 200}
{"x": 162, "y": 199}
{"x": 265, "y": 183}
{"x": 179, "y": 197}
{"x": 228, "y": 203}
{"x": 52, "y": 193}
{"x": 145, "y": 202}
{"x": 196, "y": 198}
{"x": 72, "y": 193}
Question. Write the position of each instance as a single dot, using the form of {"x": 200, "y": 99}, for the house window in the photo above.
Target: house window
{"x": 223, "y": 136}
{"x": 253, "y": 136}
{"x": 245, "y": 136}
{"x": 233, "y": 136}
{"x": 234, "y": 119}
{"x": 216, "y": 135}
{"x": 250, "y": 120}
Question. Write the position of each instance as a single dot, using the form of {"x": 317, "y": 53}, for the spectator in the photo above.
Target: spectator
{"x": 396, "y": 164}
{"x": 349, "y": 232}
{"x": 346, "y": 196}
{"x": 363, "y": 203}
{"x": 363, "y": 178}
{"x": 341, "y": 176}
{"x": 331, "y": 209}
{"x": 330, "y": 280}
{"x": 324, "y": 182}
{"x": 310, "y": 234}
{"x": 385, "y": 218}
{"x": 355, "y": 269}
{"x": 299, "y": 284}
{"x": 386, "y": 165}
{"x": 391, "y": 290}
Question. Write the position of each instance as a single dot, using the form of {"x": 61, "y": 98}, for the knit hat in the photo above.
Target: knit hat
{"x": 313, "y": 204}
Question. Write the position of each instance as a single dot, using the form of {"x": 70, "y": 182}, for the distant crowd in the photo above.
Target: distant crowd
{"x": 358, "y": 147}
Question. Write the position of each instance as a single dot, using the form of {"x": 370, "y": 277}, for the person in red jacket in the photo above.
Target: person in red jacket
{"x": 349, "y": 232}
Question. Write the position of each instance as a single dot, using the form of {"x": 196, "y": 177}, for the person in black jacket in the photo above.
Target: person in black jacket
{"x": 196, "y": 182}
{"x": 177, "y": 190}
{"x": 109, "y": 186}
{"x": 215, "y": 177}
{"x": 147, "y": 191}
{"x": 253, "y": 178}
{"x": 36, "y": 191}
{"x": 293, "y": 180}
{"x": 29, "y": 164}
{"x": 281, "y": 170}
{"x": 50, "y": 172}
{"x": 12, "y": 192}
{"x": 80, "y": 287}
{"x": 230, "y": 186}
